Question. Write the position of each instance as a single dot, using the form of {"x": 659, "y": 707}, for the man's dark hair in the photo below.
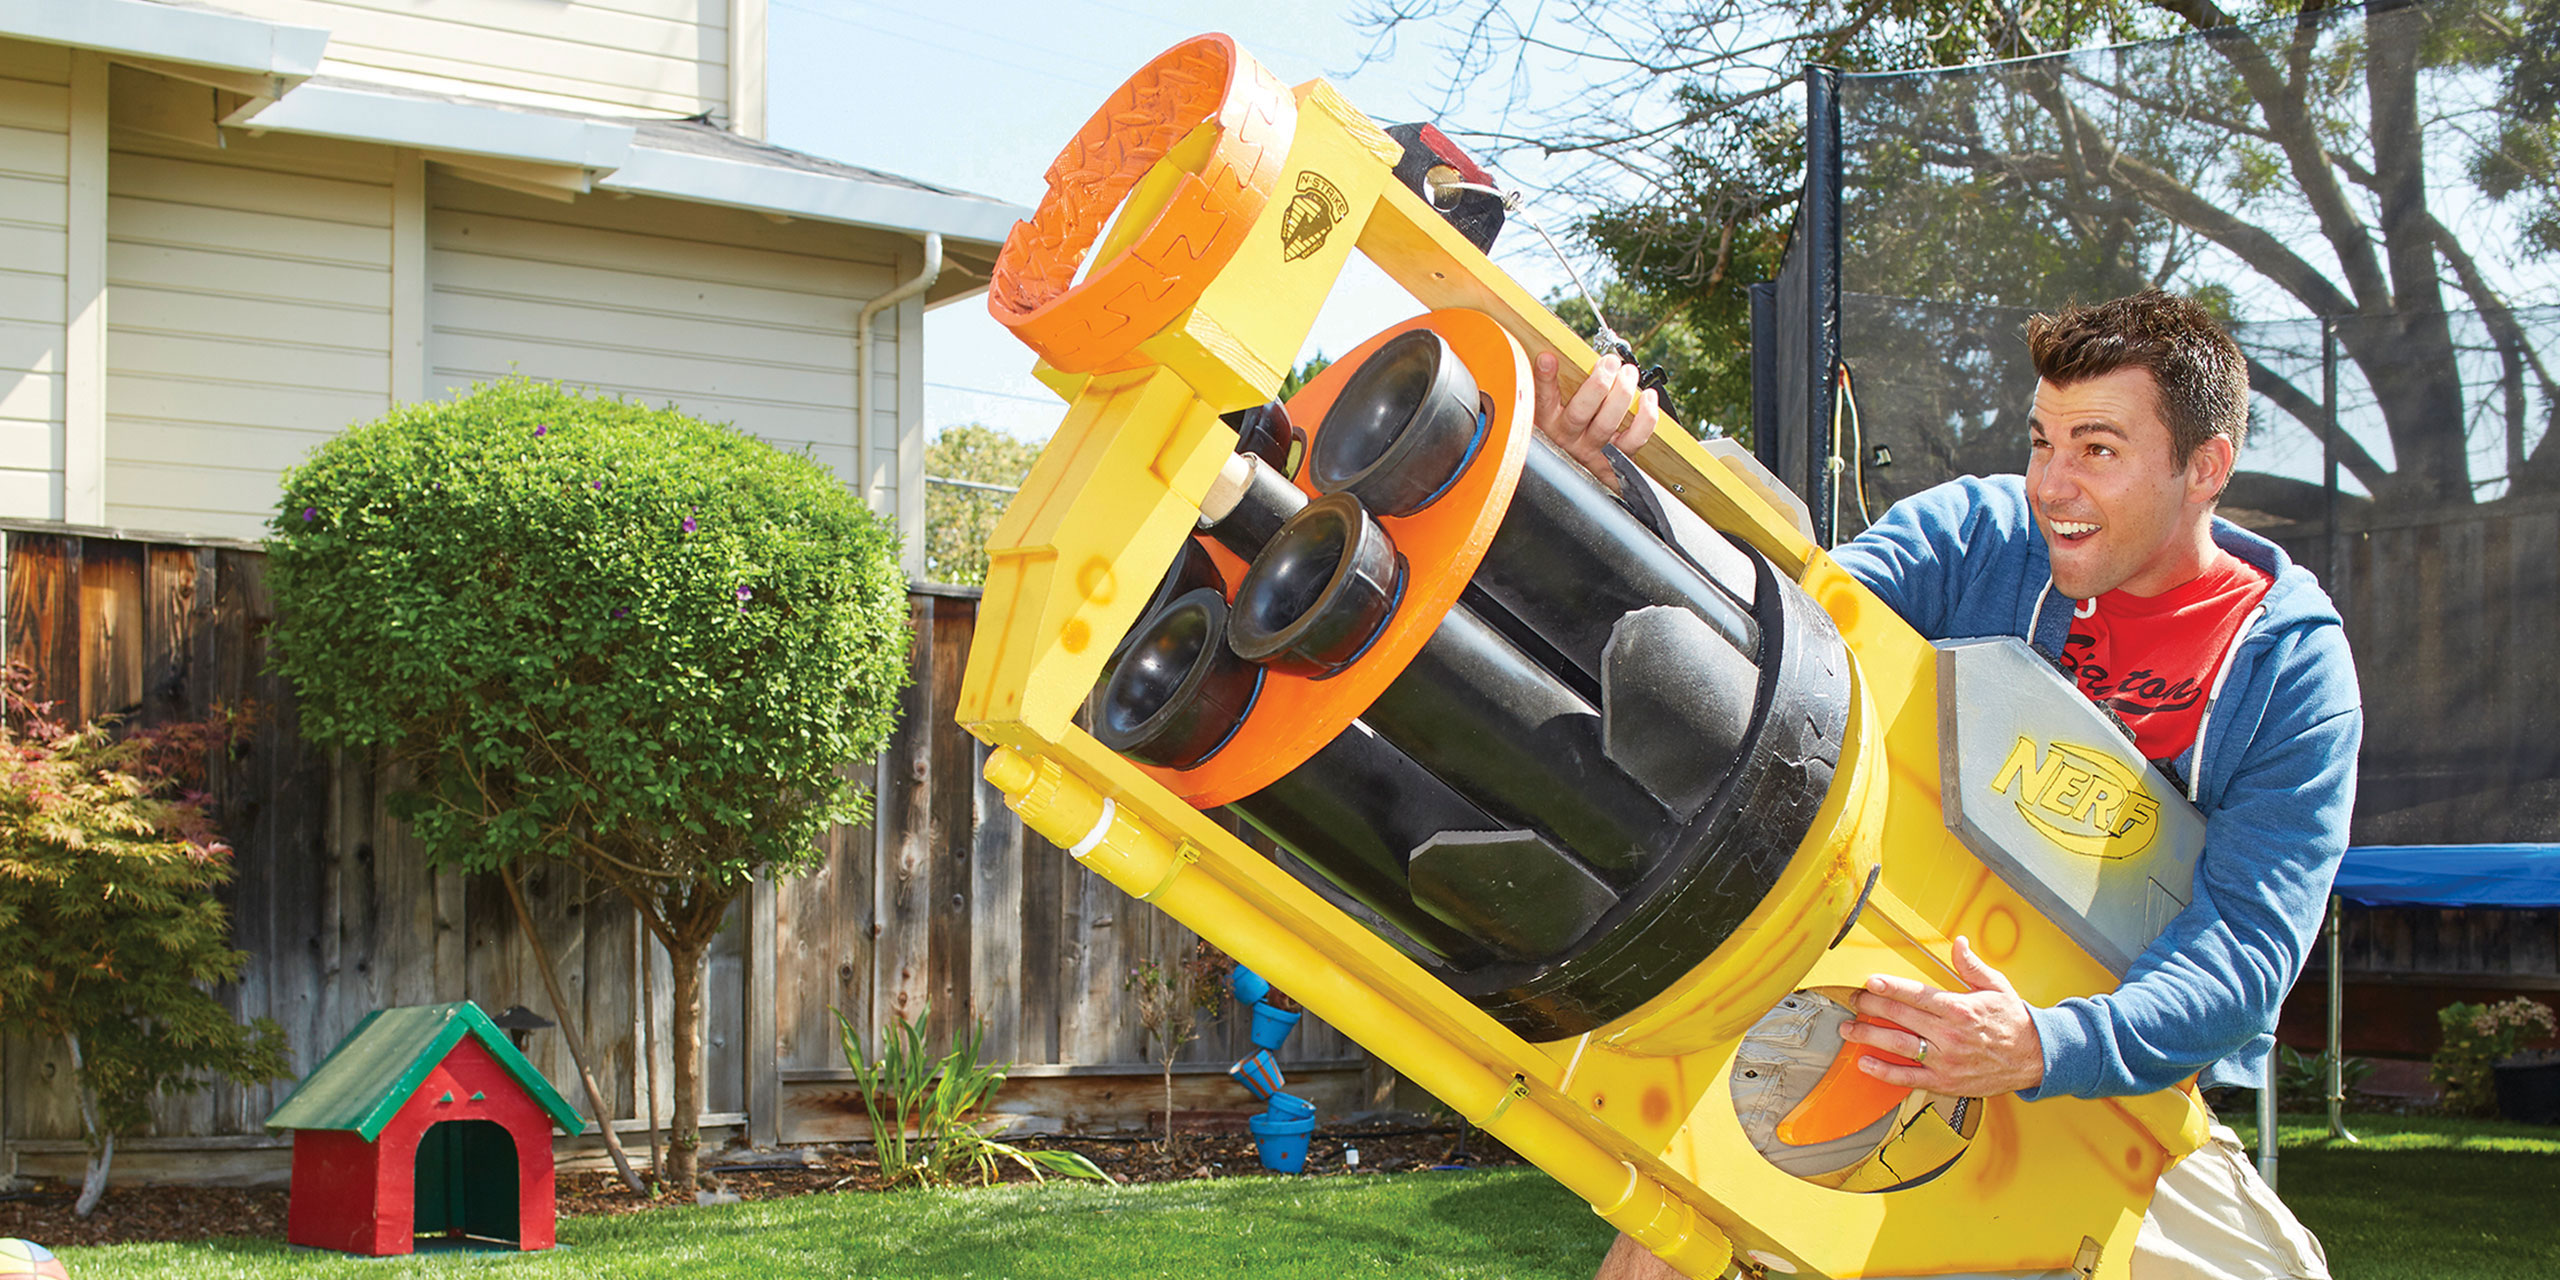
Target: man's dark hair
{"x": 2202, "y": 378}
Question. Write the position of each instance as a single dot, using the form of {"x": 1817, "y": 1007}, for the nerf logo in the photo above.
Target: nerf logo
{"x": 2081, "y": 800}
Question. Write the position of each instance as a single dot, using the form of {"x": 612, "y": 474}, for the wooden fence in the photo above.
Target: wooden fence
{"x": 944, "y": 900}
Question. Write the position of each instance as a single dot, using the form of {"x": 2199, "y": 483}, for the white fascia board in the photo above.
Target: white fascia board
{"x": 141, "y": 29}
{"x": 434, "y": 124}
{"x": 821, "y": 197}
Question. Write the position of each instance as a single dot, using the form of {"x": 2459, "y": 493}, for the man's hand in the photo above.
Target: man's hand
{"x": 1970, "y": 1044}
{"x": 1606, "y": 409}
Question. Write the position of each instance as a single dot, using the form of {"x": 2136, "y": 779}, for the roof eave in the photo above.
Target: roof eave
{"x": 432, "y": 124}
{"x": 608, "y": 155}
{"x": 198, "y": 37}
{"x": 821, "y": 197}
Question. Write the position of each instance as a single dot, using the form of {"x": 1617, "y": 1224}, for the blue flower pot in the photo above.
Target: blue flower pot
{"x": 1271, "y": 1026}
{"x": 1250, "y": 987}
{"x": 1259, "y": 1074}
{"x": 1282, "y": 1143}
{"x": 1289, "y": 1106}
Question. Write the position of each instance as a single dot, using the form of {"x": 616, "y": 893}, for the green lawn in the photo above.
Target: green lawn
{"x": 1494, "y": 1224}
{"x": 2424, "y": 1198}
{"x": 2419, "y": 1199}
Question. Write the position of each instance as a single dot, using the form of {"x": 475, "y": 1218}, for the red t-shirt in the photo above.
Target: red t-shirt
{"x": 2154, "y": 658}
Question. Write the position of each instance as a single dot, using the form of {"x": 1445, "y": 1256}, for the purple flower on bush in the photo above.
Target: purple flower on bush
{"x": 622, "y": 613}
{"x": 310, "y": 514}
{"x": 745, "y": 594}
{"x": 541, "y": 430}
{"x": 688, "y": 524}
{"x": 599, "y": 484}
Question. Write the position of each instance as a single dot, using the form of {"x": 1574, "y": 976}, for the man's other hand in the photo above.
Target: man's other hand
{"x": 1969, "y": 1044}
{"x": 1606, "y": 409}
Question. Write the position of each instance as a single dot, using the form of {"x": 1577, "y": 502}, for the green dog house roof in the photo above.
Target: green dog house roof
{"x": 363, "y": 1081}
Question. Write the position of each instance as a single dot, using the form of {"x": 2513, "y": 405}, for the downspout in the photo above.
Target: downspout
{"x": 921, "y": 281}
{"x": 881, "y": 861}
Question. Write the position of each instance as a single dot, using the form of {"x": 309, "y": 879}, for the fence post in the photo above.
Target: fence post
{"x": 764, "y": 1034}
{"x": 1821, "y": 227}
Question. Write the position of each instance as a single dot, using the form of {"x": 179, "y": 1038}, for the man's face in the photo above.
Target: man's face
{"x": 2114, "y": 508}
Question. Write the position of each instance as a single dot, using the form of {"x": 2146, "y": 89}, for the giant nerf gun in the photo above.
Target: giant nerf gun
{"x": 1593, "y": 811}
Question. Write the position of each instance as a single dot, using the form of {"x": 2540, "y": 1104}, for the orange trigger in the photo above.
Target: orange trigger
{"x": 1846, "y": 1099}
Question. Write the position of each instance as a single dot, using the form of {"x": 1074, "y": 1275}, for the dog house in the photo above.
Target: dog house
{"x": 424, "y": 1121}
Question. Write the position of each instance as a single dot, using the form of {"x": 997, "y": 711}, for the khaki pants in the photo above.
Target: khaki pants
{"x": 2214, "y": 1218}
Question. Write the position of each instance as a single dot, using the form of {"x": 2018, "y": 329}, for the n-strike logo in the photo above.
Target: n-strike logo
{"x": 1311, "y": 216}
{"x": 2080, "y": 799}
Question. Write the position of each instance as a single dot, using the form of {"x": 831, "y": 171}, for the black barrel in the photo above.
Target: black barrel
{"x": 1265, "y": 503}
{"x": 1569, "y": 561}
{"x": 1178, "y": 692}
{"x": 1355, "y": 812}
{"x": 1470, "y": 707}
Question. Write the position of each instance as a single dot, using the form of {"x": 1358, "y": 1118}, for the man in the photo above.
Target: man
{"x": 2226, "y": 661}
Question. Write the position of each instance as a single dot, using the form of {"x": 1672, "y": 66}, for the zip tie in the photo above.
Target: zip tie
{"x": 1101, "y": 825}
{"x": 1186, "y": 855}
{"x": 1519, "y": 1089}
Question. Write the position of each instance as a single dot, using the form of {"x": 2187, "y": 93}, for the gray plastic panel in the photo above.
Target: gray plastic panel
{"x": 2040, "y": 785}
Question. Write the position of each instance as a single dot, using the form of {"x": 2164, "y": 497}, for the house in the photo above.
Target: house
{"x": 226, "y": 233}
{"x": 424, "y": 1120}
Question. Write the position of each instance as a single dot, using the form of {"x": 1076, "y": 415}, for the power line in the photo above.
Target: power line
{"x": 1051, "y": 401}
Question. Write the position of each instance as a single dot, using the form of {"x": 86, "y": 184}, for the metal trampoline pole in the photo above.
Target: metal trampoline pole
{"x": 2337, "y": 1023}
{"x": 2267, "y": 1119}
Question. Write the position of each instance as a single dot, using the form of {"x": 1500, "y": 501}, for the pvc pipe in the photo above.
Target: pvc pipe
{"x": 919, "y": 282}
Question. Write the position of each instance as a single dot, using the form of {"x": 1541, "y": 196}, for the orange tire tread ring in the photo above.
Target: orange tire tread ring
{"x": 1079, "y": 328}
{"x": 1442, "y": 545}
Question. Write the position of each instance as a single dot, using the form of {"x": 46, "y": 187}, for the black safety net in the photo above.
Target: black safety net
{"x": 2369, "y": 197}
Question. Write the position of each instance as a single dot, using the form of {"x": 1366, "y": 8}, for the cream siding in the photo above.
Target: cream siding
{"x": 35, "y": 150}
{"x": 250, "y": 320}
{"x": 724, "y": 314}
{"x": 612, "y": 57}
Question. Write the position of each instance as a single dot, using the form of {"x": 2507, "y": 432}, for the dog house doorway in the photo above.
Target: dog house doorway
{"x": 466, "y": 1188}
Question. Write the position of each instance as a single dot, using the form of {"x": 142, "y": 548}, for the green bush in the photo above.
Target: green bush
{"x": 607, "y": 634}
{"x": 2477, "y": 1037}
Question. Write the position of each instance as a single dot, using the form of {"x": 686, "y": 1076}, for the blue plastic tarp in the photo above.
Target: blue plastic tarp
{"x": 2451, "y": 875}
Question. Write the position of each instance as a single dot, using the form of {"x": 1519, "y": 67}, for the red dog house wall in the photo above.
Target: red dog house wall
{"x": 424, "y": 1120}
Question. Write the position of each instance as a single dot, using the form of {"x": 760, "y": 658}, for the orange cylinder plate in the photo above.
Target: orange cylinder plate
{"x": 1079, "y": 327}
{"x": 1442, "y": 544}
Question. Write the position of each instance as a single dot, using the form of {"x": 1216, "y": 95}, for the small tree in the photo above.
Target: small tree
{"x": 109, "y": 928}
{"x": 958, "y": 519}
{"x": 601, "y": 633}
{"x": 1171, "y": 998}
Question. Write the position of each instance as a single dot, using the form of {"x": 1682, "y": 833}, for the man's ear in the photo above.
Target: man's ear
{"x": 2209, "y": 469}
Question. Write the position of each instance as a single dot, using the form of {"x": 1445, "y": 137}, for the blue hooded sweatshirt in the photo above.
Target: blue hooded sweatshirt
{"x": 2273, "y": 771}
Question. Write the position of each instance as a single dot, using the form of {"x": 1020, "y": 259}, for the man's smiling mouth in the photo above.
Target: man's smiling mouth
{"x": 2073, "y": 530}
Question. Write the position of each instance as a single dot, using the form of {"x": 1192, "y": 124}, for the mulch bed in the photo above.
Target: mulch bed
{"x": 148, "y": 1213}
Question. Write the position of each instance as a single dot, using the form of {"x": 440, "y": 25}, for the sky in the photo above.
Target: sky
{"x": 981, "y": 96}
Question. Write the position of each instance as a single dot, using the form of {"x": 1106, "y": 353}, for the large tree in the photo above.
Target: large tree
{"x": 607, "y": 635}
{"x": 2383, "y": 167}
